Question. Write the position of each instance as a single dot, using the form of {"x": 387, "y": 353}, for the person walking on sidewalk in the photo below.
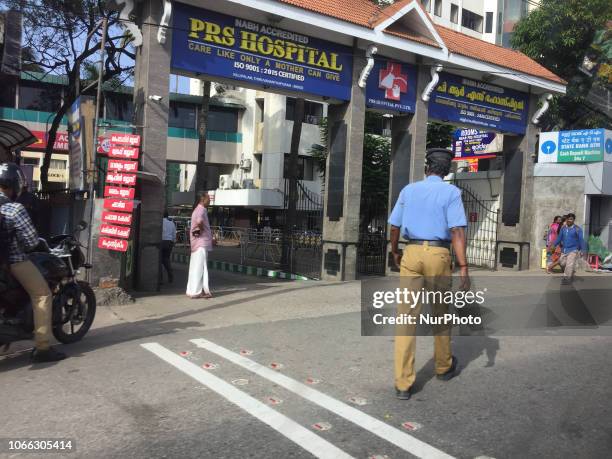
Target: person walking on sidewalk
{"x": 201, "y": 243}
{"x": 572, "y": 241}
{"x": 553, "y": 253}
{"x": 168, "y": 241}
{"x": 429, "y": 214}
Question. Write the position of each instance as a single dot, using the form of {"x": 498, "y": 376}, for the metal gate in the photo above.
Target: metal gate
{"x": 306, "y": 246}
{"x": 372, "y": 243}
{"x": 482, "y": 216}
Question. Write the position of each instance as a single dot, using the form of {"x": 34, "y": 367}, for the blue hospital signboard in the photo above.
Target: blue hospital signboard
{"x": 461, "y": 100}
{"x": 579, "y": 146}
{"x": 224, "y": 46}
{"x": 391, "y": 86}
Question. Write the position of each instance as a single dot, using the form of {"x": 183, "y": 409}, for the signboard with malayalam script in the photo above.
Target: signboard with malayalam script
{"x": 579, "y": 146}
{"x": 462, "y": 100}
{"x": 391, "y": 86}
{"x": 210, "y": 43}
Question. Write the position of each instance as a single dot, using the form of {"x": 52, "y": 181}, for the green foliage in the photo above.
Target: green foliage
{"x": 558, "y": 35}
{"x": 439, "y": 135}
{"x": 376, "y": 161}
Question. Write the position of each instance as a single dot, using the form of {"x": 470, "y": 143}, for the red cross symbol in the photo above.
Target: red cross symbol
{"x": 393, "y": 81}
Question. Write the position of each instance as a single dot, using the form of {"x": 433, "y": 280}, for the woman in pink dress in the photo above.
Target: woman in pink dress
{"x": 201, "y": 243}
{"x": 553, "y": 254}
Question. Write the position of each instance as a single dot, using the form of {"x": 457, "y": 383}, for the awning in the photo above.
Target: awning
{"x": 13, "y": 135}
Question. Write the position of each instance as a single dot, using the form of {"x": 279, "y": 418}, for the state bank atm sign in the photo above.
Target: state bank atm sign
{"x": 579, "y": 146}
{"x": 209, "y": 43}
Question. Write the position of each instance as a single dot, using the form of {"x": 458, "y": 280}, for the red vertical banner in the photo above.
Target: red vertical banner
{"x": 123, "y": 151}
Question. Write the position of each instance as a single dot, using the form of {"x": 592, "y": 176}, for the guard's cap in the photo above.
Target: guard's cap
{"x": 438, "y": 155}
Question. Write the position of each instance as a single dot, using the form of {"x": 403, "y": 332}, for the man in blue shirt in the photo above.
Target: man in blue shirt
{"x": 572, "y": 241}
{"x": 429, "y": 214}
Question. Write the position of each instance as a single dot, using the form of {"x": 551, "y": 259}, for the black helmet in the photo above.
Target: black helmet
{"x": 11, "y": 178}
{"x": 438, "y": 160}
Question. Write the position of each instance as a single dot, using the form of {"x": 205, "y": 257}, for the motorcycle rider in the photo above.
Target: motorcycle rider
{"x": 18, "y": 232}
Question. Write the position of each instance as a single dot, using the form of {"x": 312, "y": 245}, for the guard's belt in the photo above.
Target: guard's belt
{"x": 434, "y": 243}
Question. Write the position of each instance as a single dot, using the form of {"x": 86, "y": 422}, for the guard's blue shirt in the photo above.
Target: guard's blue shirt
{"x": 570, "y": 237}
{"x": 428, "y": 210}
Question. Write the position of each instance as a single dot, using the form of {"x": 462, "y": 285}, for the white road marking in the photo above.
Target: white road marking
{"x": 279, "y": 422}
{"x": 377, "y": 427}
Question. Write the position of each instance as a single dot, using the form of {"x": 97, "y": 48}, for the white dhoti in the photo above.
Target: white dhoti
{"x": 198, "y": 273}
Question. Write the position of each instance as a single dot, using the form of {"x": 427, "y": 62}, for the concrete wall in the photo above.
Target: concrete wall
{"x": 554, "y": 196}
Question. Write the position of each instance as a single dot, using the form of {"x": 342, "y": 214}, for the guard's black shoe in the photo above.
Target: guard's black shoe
{"x": 403, "y": 394}
{"x": 451, "y": 373}
{"x": 48, "y": 355}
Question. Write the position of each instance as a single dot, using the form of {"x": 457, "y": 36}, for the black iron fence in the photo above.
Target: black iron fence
{"x": 482, "y": 217}
{"x": 372, "y": 243}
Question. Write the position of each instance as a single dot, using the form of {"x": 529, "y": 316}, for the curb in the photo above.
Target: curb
{"x": 241, "y": 269}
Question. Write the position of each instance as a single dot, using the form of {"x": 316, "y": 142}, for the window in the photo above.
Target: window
{"x": 119, "y": 107}
{"x": 313, "y": 111}
{"x": 30, "y": 161}
{"x": 471, "y": 20}
{"x": 305, "y": 167}
{"x": 489, "y": 22}
{"x": 378, "y": 124}
{"x": 222, "y": 120}
{"x": 39, "y": 96}
{"x": 499, "y": 23}
{"x": 182, "y": 115}
{"x": 7, "y": 95}
{"x": 57, "y": 164}
{"x": 454, "y": 17}
{"x": 438, "y": 8}
{"x": 426, "y": 5}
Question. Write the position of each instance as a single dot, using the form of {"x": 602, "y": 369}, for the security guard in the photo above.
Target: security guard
{"x": 429, "y": 214}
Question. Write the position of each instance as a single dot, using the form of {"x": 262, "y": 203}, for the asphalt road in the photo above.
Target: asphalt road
{"x": 273, "y": 369}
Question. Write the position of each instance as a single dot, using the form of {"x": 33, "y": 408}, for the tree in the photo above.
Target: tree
{"x": 559, "y": 35}
{"x": 439, "y": 135}
{"x": 60, "y": 36}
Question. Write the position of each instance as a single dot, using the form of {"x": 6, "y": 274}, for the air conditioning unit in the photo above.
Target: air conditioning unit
{"x": 245, "y": 164}
{"x": 225, "y": 182}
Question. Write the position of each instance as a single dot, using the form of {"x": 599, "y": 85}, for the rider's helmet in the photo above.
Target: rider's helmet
{"x": 11, "y": 178}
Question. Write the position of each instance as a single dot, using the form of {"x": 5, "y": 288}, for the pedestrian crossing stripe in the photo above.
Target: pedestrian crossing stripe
{"x": 183, "y": 258}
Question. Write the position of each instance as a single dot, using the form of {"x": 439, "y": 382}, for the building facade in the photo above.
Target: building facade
{"x": 490, "y": 20}
{"x": 248, "y": 142}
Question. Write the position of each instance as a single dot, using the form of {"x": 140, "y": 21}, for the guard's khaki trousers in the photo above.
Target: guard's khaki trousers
{"x": 34, "y": 283}
{"x": 422, "y": 267}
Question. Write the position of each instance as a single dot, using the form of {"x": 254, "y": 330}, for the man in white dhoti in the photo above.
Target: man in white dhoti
{"x": 201, "y": 243}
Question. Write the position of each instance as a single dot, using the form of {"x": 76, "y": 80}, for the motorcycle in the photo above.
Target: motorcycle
{"x": 74, "y": 301}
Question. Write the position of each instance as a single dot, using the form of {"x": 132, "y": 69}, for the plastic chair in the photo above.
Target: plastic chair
{"x": 593, "y": 260}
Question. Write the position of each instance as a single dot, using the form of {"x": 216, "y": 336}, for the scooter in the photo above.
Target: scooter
{"x": 74, "y": 301}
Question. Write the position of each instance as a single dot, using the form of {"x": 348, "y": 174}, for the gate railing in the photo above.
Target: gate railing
{"x": 482, "y": 217}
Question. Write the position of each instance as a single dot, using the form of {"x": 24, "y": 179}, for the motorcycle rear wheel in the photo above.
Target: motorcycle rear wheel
{"x": 83, "y": 316}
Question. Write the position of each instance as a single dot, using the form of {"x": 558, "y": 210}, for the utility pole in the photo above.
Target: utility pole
{"x": 296, "y": 134}
{"x": 94, "y": 151}
{"x": 202, "y": 131}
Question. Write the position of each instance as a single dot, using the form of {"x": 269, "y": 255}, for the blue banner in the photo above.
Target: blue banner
{"x": 458, "y": 99}
{"x": 218, "y": 45}
{"x": 391, "y": 86}
{"x": 472, "y": 143}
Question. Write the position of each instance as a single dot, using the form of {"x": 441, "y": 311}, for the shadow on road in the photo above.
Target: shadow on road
{"x": 149, "y": 327}
{"x": 467, "y": 349}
